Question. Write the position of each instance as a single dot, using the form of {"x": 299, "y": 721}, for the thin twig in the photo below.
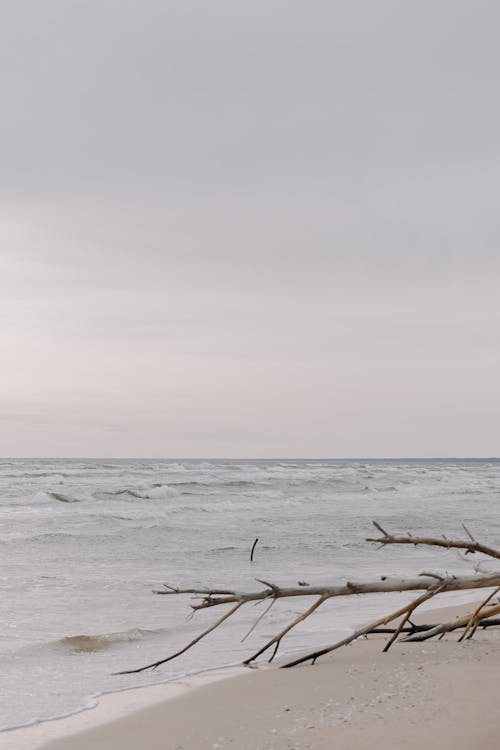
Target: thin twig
{"x": 475, "y": 615}
{"x": 261, "y": 617}
{"x": 277, "y": 638}
{"x": 189, "y": 645}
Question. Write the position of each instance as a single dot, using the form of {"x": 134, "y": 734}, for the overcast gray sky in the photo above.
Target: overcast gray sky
{"x": 260, "y": 228}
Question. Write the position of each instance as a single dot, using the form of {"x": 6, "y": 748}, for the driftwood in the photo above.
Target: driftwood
{"x": 470, "y": 545}
{"x": 489, "y": 622}
{"x": 430, "y": 584}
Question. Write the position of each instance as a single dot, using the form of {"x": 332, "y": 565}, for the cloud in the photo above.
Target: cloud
{"x": 249, "y": 228}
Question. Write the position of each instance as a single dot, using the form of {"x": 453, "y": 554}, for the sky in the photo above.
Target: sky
{"x": 263, "y": 228}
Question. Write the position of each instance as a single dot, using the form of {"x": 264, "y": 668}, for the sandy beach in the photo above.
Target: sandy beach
{"x": 440, "y": 692}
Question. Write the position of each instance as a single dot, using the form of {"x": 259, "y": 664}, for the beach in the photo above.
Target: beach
{"x": 84, "y": 543}
{"x": 441, "y": 692}
{"x": 125, "y": 527}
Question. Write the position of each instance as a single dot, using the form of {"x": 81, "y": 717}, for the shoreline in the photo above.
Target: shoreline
{"x": 117, "y": 715}
{"x": 110, "y": 707}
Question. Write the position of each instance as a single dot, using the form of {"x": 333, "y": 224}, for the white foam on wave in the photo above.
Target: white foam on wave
{"x": 158, "y": 493}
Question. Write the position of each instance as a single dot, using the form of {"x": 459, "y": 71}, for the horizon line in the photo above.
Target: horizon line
{"x": 249, "y": 458}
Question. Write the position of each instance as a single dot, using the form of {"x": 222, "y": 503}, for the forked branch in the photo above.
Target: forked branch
{"x": 431, "y": 584}
{"x": 460, "y": 622}
{"x": 469, "y": 545}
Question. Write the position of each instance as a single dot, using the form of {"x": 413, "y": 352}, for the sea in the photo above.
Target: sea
{"x": 84, "y": 544}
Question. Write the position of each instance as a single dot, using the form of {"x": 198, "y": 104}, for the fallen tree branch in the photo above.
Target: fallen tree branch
{"x": 446, "y": 627}
{"x": 476, "y": 615}
{"x": 386, "y": 585}
{"x": 470, "y": 546}
{"x": 493, "y": 622}
{"x": 278, "y": 638}
{"x": 406, "y": 611}
{"x": 259, "y": 619}
{"x": 192, "y": 643}
{"x": 431, "y": 584}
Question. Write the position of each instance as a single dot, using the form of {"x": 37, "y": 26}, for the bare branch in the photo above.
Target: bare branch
{"x": 387, "y": 585}
{"x": 432, "y": 575}
{"x": 189, "y": 645}
{"x": 446, "y": 627}
{"x": 209, "y": 592}
{"x": 379, "y": 527}
{"x": 259, "y": 619}
{"x": 493, "y": 622}
{"x": 470, "y": 546}
{"x": 407, "y": 609}
{"x": 429, "y": 583}
{"x": 277, "y": 638}
{"x": 476, "y": 615}
{"x": 468, "y": 532}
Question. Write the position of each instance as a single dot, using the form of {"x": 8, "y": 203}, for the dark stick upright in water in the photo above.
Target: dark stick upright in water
{"x": 253, "y": 548}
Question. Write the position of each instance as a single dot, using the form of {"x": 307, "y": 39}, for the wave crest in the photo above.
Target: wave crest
{"x": 92, "y": 643}
{"x": 156, "y": 492}
{"x": 48, "y": 497}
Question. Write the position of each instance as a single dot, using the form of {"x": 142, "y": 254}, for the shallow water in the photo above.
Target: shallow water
{"x": 83, "y": 543}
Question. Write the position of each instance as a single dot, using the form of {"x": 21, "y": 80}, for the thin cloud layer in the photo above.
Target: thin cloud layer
{"x": 243, "y": 229}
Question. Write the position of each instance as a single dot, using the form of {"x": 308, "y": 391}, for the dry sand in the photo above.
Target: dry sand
{"x": 444, "y": 693}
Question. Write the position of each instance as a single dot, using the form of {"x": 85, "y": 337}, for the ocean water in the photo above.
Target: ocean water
{"x": 84, "y": 542}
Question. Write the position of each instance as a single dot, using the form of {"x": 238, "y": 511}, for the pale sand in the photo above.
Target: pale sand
{"x": 444, "y": 693}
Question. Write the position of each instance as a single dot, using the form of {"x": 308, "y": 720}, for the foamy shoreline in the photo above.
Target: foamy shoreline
{"x": 110, "y": 707}
{"x": 356, "y": 690}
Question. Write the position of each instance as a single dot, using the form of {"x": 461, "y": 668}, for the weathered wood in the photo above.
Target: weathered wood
{"x": 430, "y": 583}
{"x": 192, "y": 643}
{"x": 213, "y": 598}
{"x": 470, "y": 546}
{"x": 406, "y": 610}
{"x": 476, "y": 615}
{"x": 278, "y": 638}
{"x": 447, "y": 627}
{"x": 493, "y": 622}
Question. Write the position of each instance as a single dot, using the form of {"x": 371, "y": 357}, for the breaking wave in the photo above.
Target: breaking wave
{"x": 92, "y": 643}
{"x": 156, "y": 492}
{"x": 47, "y": 497}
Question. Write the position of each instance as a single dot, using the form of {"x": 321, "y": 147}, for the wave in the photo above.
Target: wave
{"x": 48, "y": 496}
{"x": 116, "y": 493}
{"x": 218, "y": 483}
{"x": 156, "y": 492}
{"x": 63, "y": 498}
{"x": 223, "y": 549}
{"x": 92, "y": 643}
{"x": 37, "y": 475}
{"x": 160, "y": 491}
